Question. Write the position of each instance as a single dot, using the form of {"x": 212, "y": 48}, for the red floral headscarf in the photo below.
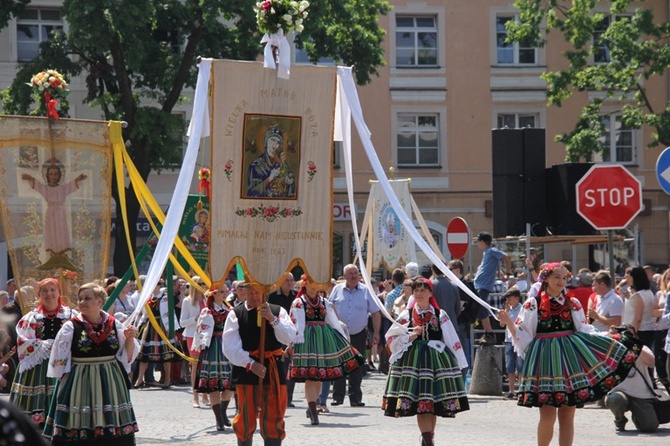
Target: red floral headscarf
{"x": 546, "y": 272}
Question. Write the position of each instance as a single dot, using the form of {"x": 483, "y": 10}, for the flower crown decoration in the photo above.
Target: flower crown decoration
{"x": 548, "y": 268}
{"x": 287, "y": 15}
{"x": 48, "y": 86}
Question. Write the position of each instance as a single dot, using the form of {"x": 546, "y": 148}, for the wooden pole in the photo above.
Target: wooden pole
{"x": 261, "y": 348}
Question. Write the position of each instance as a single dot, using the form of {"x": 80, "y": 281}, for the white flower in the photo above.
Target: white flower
{"x": 299, "y": 27}
{"x": 272, "y": 11}
{"x": 304, "y": 14}
{"x": 298, "y": 21}
{"x": 287, "y": 18}
{"x": 303, "y": 5}
{"x": 294, "y": 4}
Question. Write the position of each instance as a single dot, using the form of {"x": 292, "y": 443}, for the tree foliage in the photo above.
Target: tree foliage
{"x": 635, "y": 47}
{"x": 137, "y": 56}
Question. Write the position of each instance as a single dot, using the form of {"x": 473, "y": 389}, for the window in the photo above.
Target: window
{"x": 418, "y": 139}
{"x": 601, "y": 51}
{"x": 508, "y": 53}
{"x": 337, "y": 154}
{"x": 517, "y": 120}
{"x": 302, "y": 58}
{"x": 416, "y": 41}
{"x": 34, "y": 26}
{"x": 619, "y": 140}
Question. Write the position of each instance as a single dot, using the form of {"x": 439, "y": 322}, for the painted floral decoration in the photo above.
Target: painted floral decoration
{"x": 268, "y": 213}
{"x": 311, "y": 170}
{"x": 228, "y": 170}
{"x": 48, "y": 87}
{"x": 287, "y": 15}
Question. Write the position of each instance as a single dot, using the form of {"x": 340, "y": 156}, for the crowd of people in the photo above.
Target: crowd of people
{"x": 415, "y": 327}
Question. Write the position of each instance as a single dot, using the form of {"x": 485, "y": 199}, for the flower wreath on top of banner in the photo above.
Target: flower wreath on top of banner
{"x": 48, "y": 87}
{"x": 276, "y": 18}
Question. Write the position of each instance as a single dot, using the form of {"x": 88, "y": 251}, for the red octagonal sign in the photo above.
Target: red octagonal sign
{"x": 609, "y": 196}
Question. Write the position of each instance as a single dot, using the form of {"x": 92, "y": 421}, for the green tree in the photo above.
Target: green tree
{"x": 137, "y": 56}
{"x": 630, "y": 47}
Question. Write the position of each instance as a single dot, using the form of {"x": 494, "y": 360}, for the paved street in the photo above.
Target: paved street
{"x": 166, "y": 417}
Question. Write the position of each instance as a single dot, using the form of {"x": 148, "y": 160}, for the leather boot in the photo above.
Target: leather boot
{"x": 224, "y": 416}
{"x": 272, "y": 442}
{"x": 427, "y": 439}
{"x": 216, "y": 408}
{"x": 244, "y": 442}
{"x": 312, "y": 413}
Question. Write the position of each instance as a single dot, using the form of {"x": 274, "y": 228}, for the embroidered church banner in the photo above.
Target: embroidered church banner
{"x": 195, "y": 231}
{"x": 272, "y": 149}
{"x": 391, "y": 245}
{"x": 55, "y": 201}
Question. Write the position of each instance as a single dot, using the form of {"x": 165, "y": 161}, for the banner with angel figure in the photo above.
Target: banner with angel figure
{"x": 272, "y": 149}
{"x": 55, "y": 200}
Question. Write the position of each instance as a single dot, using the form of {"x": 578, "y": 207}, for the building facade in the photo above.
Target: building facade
{"x": 449, "y": 80}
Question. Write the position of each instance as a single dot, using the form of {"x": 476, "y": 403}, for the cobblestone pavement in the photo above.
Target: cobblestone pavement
{"x": 165, "y": 417}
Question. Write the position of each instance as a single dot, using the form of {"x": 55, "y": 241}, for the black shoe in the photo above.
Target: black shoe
{"x": 336, "y": 403}
{"x": 372, "y": 367}
{"x": 486, "y": 339}
{"x": 510, "y": 396}
{"x": 620, "y": 424}
{"x": 290, "y": 405}
{"x": 357, "y": 404}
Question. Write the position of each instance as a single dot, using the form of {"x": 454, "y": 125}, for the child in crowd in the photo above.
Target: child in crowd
{"x": 513, "y": 361}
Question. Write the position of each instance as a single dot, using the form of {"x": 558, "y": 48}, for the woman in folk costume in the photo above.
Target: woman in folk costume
{"x": 32, "y": 389}
{"x": 566, "y": 363}
{"x": 152, "y": 347}
{"x": 426, "y": 360}
{"x": 321, "y": 351}
{"x": 191, "y": 306}
{"x": 91, "y": 358}
{"x": 213, "y": 370}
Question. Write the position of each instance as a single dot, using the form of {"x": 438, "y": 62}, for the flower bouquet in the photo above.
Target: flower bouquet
{"x": 49, "y": 87}
{"x": 276, "y": 18}
{"x": 287, "y": 15}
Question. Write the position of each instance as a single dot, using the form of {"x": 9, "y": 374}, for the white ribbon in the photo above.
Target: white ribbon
{"x": 278, "y": 40}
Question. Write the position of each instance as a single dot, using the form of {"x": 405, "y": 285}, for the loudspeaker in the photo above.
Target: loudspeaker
{"x": 518, "y": 182}
{"x": 562, "y": 216}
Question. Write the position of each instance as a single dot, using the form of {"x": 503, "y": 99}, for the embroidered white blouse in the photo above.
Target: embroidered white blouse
{"x": 298, "y": 318}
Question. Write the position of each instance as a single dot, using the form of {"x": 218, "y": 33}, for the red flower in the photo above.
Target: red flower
{"x": 565, "y": 315}
{"x": 337, "y": 373}
{"x": 322, "y": 373}
{"x": 266, "y": 5}
{"x": 543, "y": 398}
{"x": 583, "y": 394}
{"x": 287, "y": 212}
{"x": 630, "y": 357}
{"x": 560, "y": 397}
{"x": 544, "y": 315}
{"x": 267, "y": 212}
{"x": 228, "y": 166}
{"x": 294, "y": 372}
{"x": 329, "y": 373}
{"x": 249, "y": 212}
{"x": 212, "y": 383}
{"x": 610, "y": 382}
{"x": 312, "y": 372}
{"x": 30, "y": 349}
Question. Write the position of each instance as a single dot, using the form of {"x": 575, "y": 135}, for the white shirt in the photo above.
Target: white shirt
{"x": 608, "y": 305}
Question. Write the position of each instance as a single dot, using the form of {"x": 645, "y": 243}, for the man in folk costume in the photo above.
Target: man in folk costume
{"x": 241, "y": 345}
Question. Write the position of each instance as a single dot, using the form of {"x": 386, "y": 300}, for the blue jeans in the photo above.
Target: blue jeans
{"x": 323, "y": 396}
{"x": 513, "y": 362}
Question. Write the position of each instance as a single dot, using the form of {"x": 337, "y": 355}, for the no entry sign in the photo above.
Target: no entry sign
{"x": 458, "y": 237}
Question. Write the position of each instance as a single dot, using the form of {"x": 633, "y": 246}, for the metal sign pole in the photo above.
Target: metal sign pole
{"x": 610, "y": 251}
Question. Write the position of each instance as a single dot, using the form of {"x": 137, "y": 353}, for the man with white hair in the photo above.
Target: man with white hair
{"x": 353, "y": 303}
{"x": 411, "y": 270}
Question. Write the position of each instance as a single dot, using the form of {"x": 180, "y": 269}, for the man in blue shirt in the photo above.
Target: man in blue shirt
{"x": 354, "y": 303}
{"x": 485, "y": 279}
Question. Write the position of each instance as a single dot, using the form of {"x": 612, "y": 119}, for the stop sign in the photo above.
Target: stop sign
{"x": 458, "y": 237}
{"x": 608, "y": 196}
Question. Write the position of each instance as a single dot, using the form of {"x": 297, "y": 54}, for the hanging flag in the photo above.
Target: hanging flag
{"x": 391, "y": 245}
{"x": 272, "y": 149}
{"x": 195, "y": 231}
{"x": 55, "y": 200}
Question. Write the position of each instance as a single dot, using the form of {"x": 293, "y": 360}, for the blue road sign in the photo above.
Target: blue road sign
{"x": 663, "y": 170}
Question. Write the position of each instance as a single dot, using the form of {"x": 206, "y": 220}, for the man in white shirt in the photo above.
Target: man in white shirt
{"x": 609, "y": 306}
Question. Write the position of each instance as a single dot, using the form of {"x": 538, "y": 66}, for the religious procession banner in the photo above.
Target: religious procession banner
{"x": 55, "y": 201}
{"x": 272, "y": 149}
{"x": 389, "y": 244}
{"x": 195, "y": 231}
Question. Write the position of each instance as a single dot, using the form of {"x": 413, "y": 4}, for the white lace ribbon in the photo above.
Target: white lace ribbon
{"x": 278, "y": 40}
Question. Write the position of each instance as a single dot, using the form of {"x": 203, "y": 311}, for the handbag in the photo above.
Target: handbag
{"x": 661, "y": 402}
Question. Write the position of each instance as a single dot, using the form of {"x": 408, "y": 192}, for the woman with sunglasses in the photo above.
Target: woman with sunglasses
{"x": 213, "y": 369}
{"x": 191, "y": 306}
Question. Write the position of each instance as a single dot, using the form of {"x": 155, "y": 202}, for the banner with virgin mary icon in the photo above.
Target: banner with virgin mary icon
{"x": 272, "y": 158}
{"x": 55, "y": 200}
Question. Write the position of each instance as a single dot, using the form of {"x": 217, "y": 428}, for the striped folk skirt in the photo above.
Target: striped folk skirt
{"x": 31, "y": 392}
{"x": 91, "y": 405}
{"x": 153, "y": 348}
{"x": 425, "y": 381}
{"x": 325, "y": 355}
{"x": 571, "y": 368}
{"x": 213, "y": 371}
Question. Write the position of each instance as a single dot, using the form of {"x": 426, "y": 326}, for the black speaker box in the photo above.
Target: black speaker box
{"x": 519, "y": 182}
{"x": 562, "y": 216}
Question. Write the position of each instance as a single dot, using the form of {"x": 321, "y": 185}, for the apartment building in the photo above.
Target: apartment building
{"x": 449, "y": 80}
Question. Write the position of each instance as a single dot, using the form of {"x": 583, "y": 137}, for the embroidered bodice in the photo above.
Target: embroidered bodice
{"x": 553, "y": 316}
{"x": 314, "y": 312}
{"x": 431, "y": 324}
